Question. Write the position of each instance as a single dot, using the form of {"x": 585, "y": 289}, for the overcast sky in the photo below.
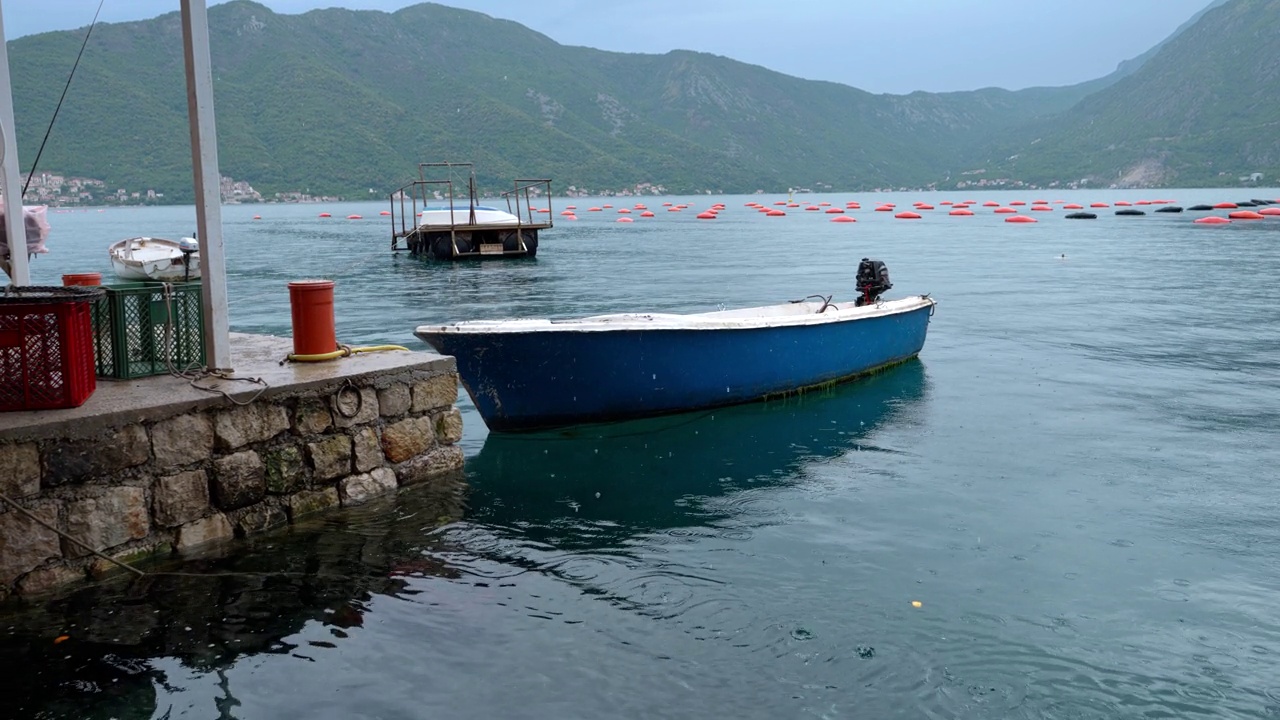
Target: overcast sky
{"x": 894, "y": 46}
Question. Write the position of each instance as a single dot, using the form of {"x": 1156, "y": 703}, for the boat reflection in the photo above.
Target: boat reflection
{"x": 594, "y": 486}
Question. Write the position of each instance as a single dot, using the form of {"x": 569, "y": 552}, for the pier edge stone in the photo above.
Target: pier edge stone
{"x": 24, "y": 543}
{"x": 239, "y": 480}
{"x": 20, "y": 469}
{"x": 435, "y": 392}
{"x": 182, "y": 440}
{"x": 178, "y": 499}
{"x": 407, "y": 438}
{"x": 360, "y": 489}
{"x": 330, "y": 457}
{"x": 239, "y": 426}
{"x": 394, "y": 400}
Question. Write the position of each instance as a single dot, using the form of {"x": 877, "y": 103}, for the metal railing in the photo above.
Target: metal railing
{"x": 409, "y": 199}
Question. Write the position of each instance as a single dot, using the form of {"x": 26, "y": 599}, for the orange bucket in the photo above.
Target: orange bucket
{"x": 311, "y": 305}
{"x": 82, "y": 279}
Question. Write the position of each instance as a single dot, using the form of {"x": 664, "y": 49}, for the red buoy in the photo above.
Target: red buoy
{"x": 836, "y": 210}
{"x": 1042, "y": 208}
{"x": 1020, "y": 219}
{"x": 1270, "y": 211}
{"x": 1004, "y": 210}
{"x": 1098, "y": 205}
{"x": 991, "y": 203}
{"x": 647, "y": 213}
{"x": 1123, "y": 203}
{"x": 1211, "y": 220}
{"x": 1017, "y": 203}
{"x": 961, "y": 211}
{"x": 354, "y": 217}
{"x": 325, "y": 215}
{"x": 843, "y": 219}
{"x": 775, "y": 213}
{"x": 1226, "y": 206}
{"x": 1073, "y": 206}
{"x": 623, "y": 211}
{"x": 625, "y": 219}
{"x": 705, "y": 215}
{"x": 908, "y": 216}
{"x": 1246, "y": 215}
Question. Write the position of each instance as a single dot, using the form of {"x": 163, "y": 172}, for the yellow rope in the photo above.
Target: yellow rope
{"x": 344, "y": 351}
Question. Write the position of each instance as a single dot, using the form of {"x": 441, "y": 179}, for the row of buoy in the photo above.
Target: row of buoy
{"x": 353, "y": 216}
{"x": 958, "y": 209}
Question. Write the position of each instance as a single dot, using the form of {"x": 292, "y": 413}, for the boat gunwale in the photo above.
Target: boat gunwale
{"x": 707, "y": 321}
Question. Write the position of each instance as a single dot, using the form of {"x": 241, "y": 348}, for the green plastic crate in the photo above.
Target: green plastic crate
{"x": 146, "y": 328}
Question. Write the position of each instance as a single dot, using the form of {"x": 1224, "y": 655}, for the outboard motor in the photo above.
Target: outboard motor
{"x": 873, "y": 279}
{"x": 189, "y": 246}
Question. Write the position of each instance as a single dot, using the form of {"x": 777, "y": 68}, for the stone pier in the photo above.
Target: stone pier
{"x": 156, "y": 465}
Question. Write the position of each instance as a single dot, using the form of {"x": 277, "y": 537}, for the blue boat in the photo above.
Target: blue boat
{"x": 538, "y": 374}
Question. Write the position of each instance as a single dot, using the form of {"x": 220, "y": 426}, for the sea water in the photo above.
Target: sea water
{"x": 1066, "y": 508}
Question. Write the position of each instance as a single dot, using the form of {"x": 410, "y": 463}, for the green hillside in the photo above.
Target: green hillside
{"x": 1204, "y": 110}
{"x": 342, "y": 102}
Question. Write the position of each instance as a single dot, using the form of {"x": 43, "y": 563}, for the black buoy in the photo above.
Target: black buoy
{"x": 1256, "y": 201}
{"x": 1081, "y": 216}
{"x": 1169, "y": 208}
{"x": 1130, "y": 211}
{"x": 1246, "y": 203}
{"x": 1198, "y": 208}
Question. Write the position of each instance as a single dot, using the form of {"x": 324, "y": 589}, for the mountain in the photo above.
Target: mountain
{"x": 343, "y": 102}
{"x": 1203, "y": 110}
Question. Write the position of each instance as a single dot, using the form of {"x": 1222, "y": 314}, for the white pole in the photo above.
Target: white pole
{"x": 19, "y": 272}
{"x": 204, "y": 160}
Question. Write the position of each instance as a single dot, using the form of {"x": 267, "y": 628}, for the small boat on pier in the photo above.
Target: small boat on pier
{"x": 436, "y": 223}
{"x": 531, "y": 374}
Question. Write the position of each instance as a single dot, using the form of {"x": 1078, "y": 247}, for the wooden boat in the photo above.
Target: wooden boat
{"x": 530, "y": 374}
{"x": 157, "y": 259}
{"x": 460, "y": 228}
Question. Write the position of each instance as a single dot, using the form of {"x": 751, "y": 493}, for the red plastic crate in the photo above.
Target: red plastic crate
{"x": 46, "y": 347}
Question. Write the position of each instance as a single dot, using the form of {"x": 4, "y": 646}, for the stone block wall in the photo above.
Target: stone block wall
{"x": 207, "y": 474}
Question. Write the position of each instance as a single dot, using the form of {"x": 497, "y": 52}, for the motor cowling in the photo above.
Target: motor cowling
{"x": 872, "y": 280}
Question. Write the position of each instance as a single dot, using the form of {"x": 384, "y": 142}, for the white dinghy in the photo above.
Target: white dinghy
{"x": 156, "y": 259}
